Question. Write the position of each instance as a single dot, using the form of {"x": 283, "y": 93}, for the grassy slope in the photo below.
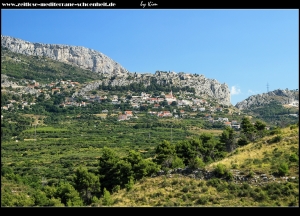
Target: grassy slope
{"x": 184, "y": 191}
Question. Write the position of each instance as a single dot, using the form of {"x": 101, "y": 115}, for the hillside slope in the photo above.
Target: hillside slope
{"x": 257, "y": 180}
{"x": 281, "y": 96}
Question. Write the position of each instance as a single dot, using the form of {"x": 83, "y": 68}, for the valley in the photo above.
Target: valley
{"x": 73, "y": 136}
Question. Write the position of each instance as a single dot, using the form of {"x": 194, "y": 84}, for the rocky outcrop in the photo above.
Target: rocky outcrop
{"x": 207, "y": 88}
{"x": 282, "y": 96}
{"x": 114, "y": 74}
{"x": 238, "y": 177}
{"x": 75, "y": 55}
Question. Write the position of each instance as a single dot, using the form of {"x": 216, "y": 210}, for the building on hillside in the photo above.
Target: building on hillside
{"x": 227, "y": 124}
{"x": 128, "y": 113}
{"x": 235, "y": 126}
{"x": 170, "y": 98}
{"x": 55, "y": 90}
{"x": 164, "y": 114}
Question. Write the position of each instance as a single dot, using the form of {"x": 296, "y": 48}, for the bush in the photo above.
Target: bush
{"x": 259, "y": 195}
{"x": 283, "y": 169}
{"x": 185, "y": 189}
{"x": 275, "y": 139}
{"x": 196, "y": 163}
{"x": 234, "y": 166}
{"x": 250, "y": 174}
{"x": 202, "y": 200}
{"x": 116, "y": 189}
{"x": 293, "y": 157}
{"x": 106, "y": 200}
{"x": 130, "y": 184}
{"x": 204, "y": 189}
{"x": 222, "y": 187}
{"x": 222, "y": 171}
{"x": 276, "y": 130}
{"x": 214, "y": 182}
{"x": 177, "y": 163}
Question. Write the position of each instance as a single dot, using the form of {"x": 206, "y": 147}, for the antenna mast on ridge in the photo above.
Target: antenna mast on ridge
{"x": 267, "y": 87}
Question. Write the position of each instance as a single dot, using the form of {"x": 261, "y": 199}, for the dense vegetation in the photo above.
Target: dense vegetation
{"x": 275, "y": 114}
{"x": 53, "y": 155}
{"x": 77, "y": 161}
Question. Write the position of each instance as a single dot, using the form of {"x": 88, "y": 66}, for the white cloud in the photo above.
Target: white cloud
{"x": 235, "y": 90}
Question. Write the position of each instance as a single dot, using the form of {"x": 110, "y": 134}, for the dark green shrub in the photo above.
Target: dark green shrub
{"x": 222, "y": 187}
{"x": 202, "y": 200}
{"x": 283, "y": 169}
{"x": 234, "y": 166}
{"x": 276, "y": 130}
{"x": 250, "y": 174}
{"x": 204, "y": 189}
{"x": 185, "y": 189}
{"x": 275, "y": 139}
{"x": 214, "y": 182}
{"x": 294, "y": 158}
{"x": 201, "y": 183}
{"x": 222, "y": 172}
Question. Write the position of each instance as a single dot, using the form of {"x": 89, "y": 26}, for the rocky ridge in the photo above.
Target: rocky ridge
{"x": 114, "y": 74}
{"x": 238, "y": 176}
{"x": 282, "y": 96}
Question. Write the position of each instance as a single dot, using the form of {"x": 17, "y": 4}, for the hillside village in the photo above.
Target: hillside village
{"x": 166, "y": 105}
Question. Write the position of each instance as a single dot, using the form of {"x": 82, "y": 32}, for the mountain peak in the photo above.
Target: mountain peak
{"x": 99, "y": 63}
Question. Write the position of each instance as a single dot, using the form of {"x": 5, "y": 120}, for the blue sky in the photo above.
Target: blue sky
{"x": 244, "y": 48}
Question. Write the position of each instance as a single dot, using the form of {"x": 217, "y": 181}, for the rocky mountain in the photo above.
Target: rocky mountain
{"x": 75, "y": 55}
{"x": 282, "y": 96}
{"x": 113, "y": 73}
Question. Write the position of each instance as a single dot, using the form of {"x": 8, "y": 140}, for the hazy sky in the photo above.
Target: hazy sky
{"x": 244, "y": 48}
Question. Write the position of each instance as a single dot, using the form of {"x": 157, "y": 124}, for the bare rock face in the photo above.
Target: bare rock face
{"x": 75, "y": 55}
{"x": 282, "y": 96}
{"x": 115, "y": 74}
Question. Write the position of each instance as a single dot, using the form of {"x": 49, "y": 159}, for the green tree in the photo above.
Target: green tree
{"x": 246, "y": 125}
{"x": 260, "y": 127}
{"x": 68, "y": 195}
{"x": 123, "y": 172}
{"x": 164, "y": 152}
{"x": 243, "y": 140}
{"x": 107, "y": 169}
{"x": 145, "y": 168}
{"x": 40, "y": 198}
{"x": 134, "y": 157}
{"x": 86, "y": 182}
{"x": 228, "y": 138}
{"x": 189, "y": 149}
{"x": 248, "y": 129}
{"x": 195, "y": 163}
{"x": 211, "y": 149}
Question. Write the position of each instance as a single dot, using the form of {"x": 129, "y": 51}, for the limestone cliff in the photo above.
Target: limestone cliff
{"x": 75, "y": 55}
{"x": 116, "y": 74}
